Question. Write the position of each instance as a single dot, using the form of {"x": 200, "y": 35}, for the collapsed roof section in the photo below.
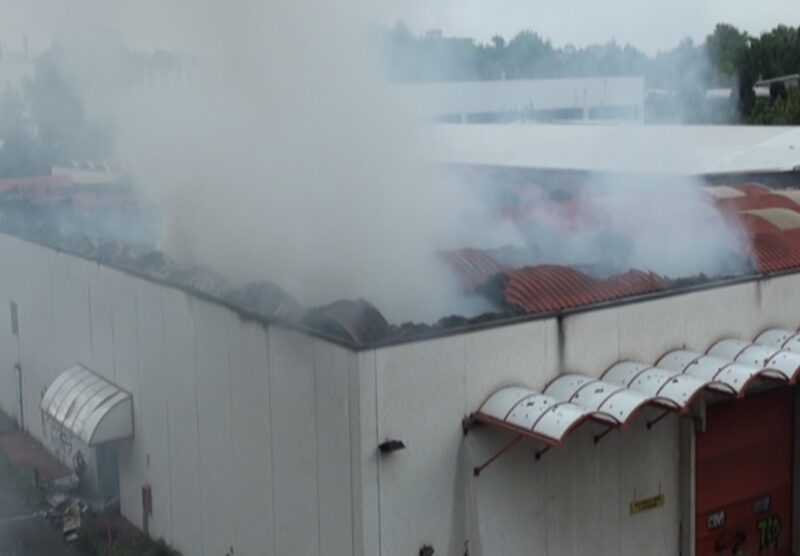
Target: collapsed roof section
{"x": 516, "y": 281}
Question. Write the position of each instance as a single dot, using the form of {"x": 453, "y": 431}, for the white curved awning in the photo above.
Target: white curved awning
{"x": 778, "y": 338}
{"x": 612, "y": 402}
{"x": 530, "y": 414}
{"x": 785, "y": 364}
{"x": 88, "y": 406}
{"x": 735, "y": 377}
{"x": 665, "y": 387}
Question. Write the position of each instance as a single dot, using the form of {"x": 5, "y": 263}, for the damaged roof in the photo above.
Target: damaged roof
{"x": 771, "y": 219}
{"x": 514, "y": 287}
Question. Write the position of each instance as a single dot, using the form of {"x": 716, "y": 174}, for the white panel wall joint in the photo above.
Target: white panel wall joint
{"x": 686, "y": 485}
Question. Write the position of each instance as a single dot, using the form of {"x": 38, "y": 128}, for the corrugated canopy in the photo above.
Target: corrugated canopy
{"x": 530, "y": 414}
{"x": 89, "y": 407}
{"x": 729, "y": 367}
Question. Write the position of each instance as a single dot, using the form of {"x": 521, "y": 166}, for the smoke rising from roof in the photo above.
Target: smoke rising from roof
{"x": 276, "y": 154}
{"x": 666, "y": 225}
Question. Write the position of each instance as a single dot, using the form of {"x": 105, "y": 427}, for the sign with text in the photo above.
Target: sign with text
{"x": 645, "y": 504}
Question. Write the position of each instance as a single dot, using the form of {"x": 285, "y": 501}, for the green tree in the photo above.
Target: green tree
{"x": 19, "y": 153}
{"x": 529, "y": 55}
{"x": 779, "y": 110}
{"x": 727, "y": 50}
{"x": 64, "y": 131}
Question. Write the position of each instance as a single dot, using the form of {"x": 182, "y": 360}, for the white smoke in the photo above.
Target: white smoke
{"x": 279, "y": 154}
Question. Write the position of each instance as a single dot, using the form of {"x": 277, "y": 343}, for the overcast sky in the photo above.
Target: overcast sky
{"x": 648, "y": 24}
{"x": 651, "y": 25}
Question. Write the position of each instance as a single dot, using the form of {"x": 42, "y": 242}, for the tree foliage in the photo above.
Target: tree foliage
{"x": 728, "y": 58}
{"x": 45, "y": 124}
{"x": 65, "y": 132}
{"x": 20, "y": 154}
{"x": 782, "y": 109}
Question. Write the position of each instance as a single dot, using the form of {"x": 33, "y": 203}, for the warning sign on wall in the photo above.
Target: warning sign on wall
{"x": 645, "y": 504}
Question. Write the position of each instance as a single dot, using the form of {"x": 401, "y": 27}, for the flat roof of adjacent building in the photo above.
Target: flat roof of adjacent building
{"x": 641, "y": 149}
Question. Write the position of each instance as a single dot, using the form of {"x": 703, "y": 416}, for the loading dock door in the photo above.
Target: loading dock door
{"x": 744, "y": 476}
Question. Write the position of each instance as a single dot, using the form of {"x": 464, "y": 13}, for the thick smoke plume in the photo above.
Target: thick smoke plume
{"x": 276, "y": 154}
{"x": 610, "y": 224}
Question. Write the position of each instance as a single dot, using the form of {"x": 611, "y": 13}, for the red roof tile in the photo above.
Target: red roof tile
{"x": 552, "y": 288}
{"x": 755, "y": 202}
{"x": 473, "y": 267}
{"x": 755, "y": 224}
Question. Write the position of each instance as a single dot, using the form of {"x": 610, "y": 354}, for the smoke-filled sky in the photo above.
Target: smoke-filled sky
{"x": 286, "y": 158}
{"x": 651, "y": 25}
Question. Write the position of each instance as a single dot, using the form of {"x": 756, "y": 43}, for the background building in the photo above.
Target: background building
{"x": 615, "y": 99}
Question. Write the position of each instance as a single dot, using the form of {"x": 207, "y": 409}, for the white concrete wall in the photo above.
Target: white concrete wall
{"x": 419, "y": 393}
{"x": 242, "y": 431}
{"x": 576, "y": 499}
{"x": 595, "y": 340}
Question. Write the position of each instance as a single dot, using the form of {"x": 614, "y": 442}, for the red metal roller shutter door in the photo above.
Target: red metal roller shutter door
{"x": 744, "y": 476}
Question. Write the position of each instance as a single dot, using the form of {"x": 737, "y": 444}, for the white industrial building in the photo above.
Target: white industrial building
{"x": 654, "y": 149}
{"x": 595, "y": 99}
{"x": 265, "y": 439}
{"x": 613, "y": 417}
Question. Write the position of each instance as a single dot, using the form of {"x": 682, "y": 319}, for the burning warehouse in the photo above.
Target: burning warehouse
{"x": 596, "y": 404}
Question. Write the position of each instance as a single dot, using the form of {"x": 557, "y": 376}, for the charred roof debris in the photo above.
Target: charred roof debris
{"x": 115, "y": 227}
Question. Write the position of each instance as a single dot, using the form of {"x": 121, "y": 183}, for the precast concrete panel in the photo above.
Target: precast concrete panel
{"x": 29, "y": 288}
{"x": 421, "y": 401}
{"x": 213, "y": 375}
{"x": 332, "y": 365}
{"x": 124, "y": 328}
{"x": 590, "y": 341}
{"x": 595, "y": 340}
{"x": 152, "y": 438}
{"x": 648, "y": 467}
{"x": 519, "y": 354}
{"x": 184, "y": 449}
{"x": 294, "y": 442}
{"x": 367, "y": 517}
{"x": 124, "y": 325}
{"x": 102, "y": 355}
{"x": 779, "y": 302}
{"x": 70, "y": 299}
{"x": 647, "y": 330}
{"x": 716, "y": 313}
{"x": 251, "y": 437}
{"x": 9, "y": 278}
{"x": 581, "y": 486}
{"x": 506, "y": 506}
